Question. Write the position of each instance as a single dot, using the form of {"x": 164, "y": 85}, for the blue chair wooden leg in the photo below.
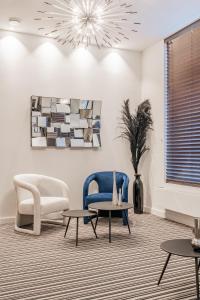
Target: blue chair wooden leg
{"x": 124, "y": 214}
{"x": 86, "y": 220}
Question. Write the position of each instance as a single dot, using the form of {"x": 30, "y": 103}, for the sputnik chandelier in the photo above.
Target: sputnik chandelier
{"x": 104, "y": 23}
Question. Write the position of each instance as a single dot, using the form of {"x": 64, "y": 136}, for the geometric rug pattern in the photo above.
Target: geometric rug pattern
{"x": 49, "y": 267}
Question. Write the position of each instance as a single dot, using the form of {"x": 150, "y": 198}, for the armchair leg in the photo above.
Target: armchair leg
{"x": 86, "y": 220}
{"x": 25, "y": 220}
{"x": 124, "y": 217}
{"x": 37, "y": 225}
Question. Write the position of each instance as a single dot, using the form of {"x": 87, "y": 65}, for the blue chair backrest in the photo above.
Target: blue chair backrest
{"x": 105, "y": 181}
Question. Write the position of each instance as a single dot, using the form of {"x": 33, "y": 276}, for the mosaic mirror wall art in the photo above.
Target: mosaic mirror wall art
{"x": 63, "y": 123}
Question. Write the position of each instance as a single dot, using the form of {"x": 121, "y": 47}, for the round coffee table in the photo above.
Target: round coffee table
{"x": 181, "y": 247}
{"x": 109, "y": 206}
{"x": 79, "y": 214}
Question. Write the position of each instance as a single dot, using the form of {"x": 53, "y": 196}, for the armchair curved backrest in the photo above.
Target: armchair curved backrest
{"x": 46, "y": 186}
{"x": 104, "y": 181}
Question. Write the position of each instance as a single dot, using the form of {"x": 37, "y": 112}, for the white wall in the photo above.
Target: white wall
{"x": 162, "y": 195}
{"x": 33, "y": 65}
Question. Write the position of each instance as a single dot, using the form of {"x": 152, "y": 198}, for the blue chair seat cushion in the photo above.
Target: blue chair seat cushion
{"x": 98, "y": 197}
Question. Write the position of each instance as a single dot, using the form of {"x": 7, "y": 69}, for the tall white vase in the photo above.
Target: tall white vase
{"x": 120, "y": 198}
{"x": 114, "y": 195}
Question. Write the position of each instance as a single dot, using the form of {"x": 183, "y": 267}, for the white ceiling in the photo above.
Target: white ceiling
{"x": 159, "y": 18}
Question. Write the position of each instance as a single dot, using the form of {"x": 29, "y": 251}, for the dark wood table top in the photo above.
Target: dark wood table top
{"x": 108, "y": 205}
{"x": 180, "y": 247}
{"x": 78, "y": 213}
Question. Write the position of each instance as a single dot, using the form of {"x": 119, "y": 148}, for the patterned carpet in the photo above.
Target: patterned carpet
{"x": 51, "y": 267}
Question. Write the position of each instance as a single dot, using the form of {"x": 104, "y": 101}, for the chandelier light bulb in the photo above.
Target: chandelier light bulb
{"x": 99, "y": 11}
{"x": 103, "y": 23}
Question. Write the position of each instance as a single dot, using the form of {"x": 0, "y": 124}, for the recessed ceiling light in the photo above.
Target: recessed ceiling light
{"x": 14, "y": 21}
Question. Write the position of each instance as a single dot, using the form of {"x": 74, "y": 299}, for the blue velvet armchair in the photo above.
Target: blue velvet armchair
{"x": 104, "y": 181}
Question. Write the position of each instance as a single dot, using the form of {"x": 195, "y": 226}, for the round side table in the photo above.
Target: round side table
{"x": 181, "y": 247}
{"x": 109, "y": 206}
{"x": 78, "y": 214}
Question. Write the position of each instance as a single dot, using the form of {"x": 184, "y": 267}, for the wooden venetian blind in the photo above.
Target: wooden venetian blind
{"x": 183, "y": 106}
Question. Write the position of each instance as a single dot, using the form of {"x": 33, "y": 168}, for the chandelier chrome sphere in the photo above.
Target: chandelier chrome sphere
{"x": 104, "y": 23}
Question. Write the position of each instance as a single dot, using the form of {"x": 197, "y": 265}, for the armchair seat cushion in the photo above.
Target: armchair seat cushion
{"x": 98, "y": 197}
{"x": 47, "y": 205}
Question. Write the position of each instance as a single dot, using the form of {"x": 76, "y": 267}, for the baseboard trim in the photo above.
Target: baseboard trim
{"x": 165, "y": 214}
{"x": 154, "y": 211}
{"x": 171, "y": 215}
{"x": 180, "y": 218}
{"x": 7, "y": 220}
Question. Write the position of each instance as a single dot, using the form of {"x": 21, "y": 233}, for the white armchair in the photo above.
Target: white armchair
{"x": 38, "y": 196}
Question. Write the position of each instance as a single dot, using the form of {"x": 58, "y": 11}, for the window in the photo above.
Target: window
{"x": 183, "y": 106}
